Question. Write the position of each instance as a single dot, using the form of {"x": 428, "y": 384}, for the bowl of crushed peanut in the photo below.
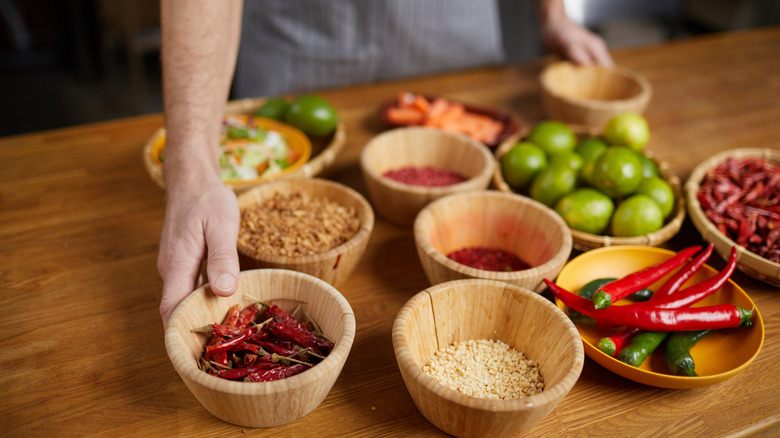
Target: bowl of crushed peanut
{"x": 485, "y": 357}
{"x": 315, "y": 226}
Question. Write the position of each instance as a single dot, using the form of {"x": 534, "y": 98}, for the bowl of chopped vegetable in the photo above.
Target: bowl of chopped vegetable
{"x": 690, "y": 325}
{"x": 491, "y": 235}
{"x": 485, "y": 358}
{"x": 406, "y": 168}
{"x": 309, "y": 225}
{"x": 734, "y": 199}
{"x": 267, "y": 355}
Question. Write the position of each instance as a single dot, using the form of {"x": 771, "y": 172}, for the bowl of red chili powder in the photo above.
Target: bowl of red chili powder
{"x": 491, "y": 235}
{"x": 406, "y": 168}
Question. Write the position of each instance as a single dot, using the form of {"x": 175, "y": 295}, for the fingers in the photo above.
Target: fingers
{"x": 179, "y": 278}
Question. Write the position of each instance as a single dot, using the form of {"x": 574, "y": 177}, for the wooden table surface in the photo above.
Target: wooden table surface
{"x": 82, "y": 341}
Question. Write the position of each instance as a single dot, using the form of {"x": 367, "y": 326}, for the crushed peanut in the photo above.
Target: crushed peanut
{"x": 486, "y": 369}
{"x": 296, "y": 225}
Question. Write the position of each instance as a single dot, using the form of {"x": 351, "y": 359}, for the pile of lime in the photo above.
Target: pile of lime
{"x": 599, "y": 185}
{"x": 312, "y": 114}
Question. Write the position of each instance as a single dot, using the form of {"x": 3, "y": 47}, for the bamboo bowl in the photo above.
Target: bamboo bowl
{"x": 492, "y": 219}
{"x": 748, "y": 262}
{"x": 335, "y": 265}
{"x": 591, "y": 95}
{"x": 416, "y": 146}
{"x": 263, "y": 404}
{"x": 321, "y": 152}
{"x": 483, "y": 309}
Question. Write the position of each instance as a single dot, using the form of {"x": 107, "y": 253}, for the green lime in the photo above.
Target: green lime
{"x": 590, "y": 148}
{"x": 649, "y": 168}
{"x": 313, "y": 115}
{"x": 553, "y": 137}
{"x": 521, "y": 164}
{"x": 585, "y": 178}
{"x": 552, "y": 183}
{"x": 627, "y": 129}
{"x": 587, "y": 210}
{"x": 571, "y": 159}
{"x": 617, "y": 172}
{"x": 274, "y": 109}
{"x": 660, "y": 191}
{"x": 635, "y": 216}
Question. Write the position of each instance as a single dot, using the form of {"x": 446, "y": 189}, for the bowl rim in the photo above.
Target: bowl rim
{"x": 563, "y": 252}
{"x": 747, "y": 260}
{"x": 644, "y": 95}
{"x": 364, "y": 212}
{"x": 482, "y": 179}
{"x": 652, "y": 378}
{"x": 550, "y": 395}
{"x": 188, "y": 369}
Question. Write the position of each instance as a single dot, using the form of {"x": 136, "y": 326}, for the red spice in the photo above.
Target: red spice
{"x": 427, "y": 176}
{"x": 488, "y": 259}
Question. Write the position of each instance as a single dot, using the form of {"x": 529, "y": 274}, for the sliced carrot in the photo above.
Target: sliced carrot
{"x": 421, "y": 103}
{"x": 405, "y": 116}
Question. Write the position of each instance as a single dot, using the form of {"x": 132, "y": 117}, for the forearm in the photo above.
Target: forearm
{"x": 199, "y": 46}
{"x": 549, "y": 10}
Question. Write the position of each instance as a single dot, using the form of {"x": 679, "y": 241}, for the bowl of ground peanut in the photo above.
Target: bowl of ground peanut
{"x": 315, "y": 226}
{"x": 485, "y": 358}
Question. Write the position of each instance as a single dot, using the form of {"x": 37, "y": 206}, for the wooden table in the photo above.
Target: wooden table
{"x": 82, "y": 344}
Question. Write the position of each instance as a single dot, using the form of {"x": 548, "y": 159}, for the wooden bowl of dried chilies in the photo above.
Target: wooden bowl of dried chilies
{"x": 250, "y": 401}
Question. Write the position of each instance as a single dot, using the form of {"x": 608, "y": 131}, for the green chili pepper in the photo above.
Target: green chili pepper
{"x": 640, "y": 347}
{"x": 678, "y": 351}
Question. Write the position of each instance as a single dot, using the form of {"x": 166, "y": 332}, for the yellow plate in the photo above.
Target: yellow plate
{"x": 719, "y": 356}
{"x": 296, "y": 140}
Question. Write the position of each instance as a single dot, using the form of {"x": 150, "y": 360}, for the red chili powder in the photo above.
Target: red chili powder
{"x": 427, "y": 176}
{"x": 488, "y": 259}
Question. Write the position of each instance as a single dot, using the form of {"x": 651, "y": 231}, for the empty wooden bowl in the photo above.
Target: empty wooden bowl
{"x": 465, "y": 310}
{"x": 420, "y": 147}
{"x": 491, "y": 219}
{"x": 748, "y": 262}
{"x": 591, "y": 95}
{"x": 261, "y": 404}
{"x": 335, "y": 265}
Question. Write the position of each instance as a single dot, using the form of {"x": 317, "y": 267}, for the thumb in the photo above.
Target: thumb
{"x": 222, "y": 264}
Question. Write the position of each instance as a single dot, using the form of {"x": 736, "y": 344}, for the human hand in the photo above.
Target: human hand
{"x": 569, "y": 40}
{"x": 201, "y": 221}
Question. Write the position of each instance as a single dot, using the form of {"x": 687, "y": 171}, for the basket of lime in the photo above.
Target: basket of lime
{"x": 607, "y": 187}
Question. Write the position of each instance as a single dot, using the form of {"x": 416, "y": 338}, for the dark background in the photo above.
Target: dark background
{"x": 67, "y": 62}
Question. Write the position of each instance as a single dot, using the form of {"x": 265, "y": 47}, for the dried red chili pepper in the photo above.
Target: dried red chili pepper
{"x": 674, "y": 283}
{"x": 277, "y": 373}
{"x": 228, "y": 344}
{"x": 247, "y": 315}
{"x": 623, "y": 287}
{"x": 657, "y": 319}
{"x": 240, "y": 373}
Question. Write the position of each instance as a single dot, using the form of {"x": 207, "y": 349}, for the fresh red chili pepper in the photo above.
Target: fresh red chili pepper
{"x": 680, "y": 277}
{"x": 698, "y": 291}
{"x": 656, "y": 319}
{"x": 612, "y": 345}
{"x": 623, "y": 287}
{"x": 276, "y": 373}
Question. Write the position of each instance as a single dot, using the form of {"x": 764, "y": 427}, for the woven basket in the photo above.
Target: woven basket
{"x": 585, "y": 241}
{"x": 323, "y": 154}
{"x": 747, "y": 261}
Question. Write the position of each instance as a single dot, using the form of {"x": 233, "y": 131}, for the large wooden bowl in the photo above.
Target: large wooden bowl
{"x": 591, "y": 95}
{"x": 748, "y": 262}
{"x": 262, "y": 404}
{"x": 586, "y": 241}
{"x": 483, "y": 309}
{"x": 322, "y": 151}
{"x": 416, "y": 146}
{"x": 335, "y": 265}
{"x": 492, "y": 219}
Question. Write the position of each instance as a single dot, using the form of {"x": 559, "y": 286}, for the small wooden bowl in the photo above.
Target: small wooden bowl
{"x": 465, "y": 310}
{"x": 335, "y": 265}
{"x": 263, "y": 404}
{"x": 322, "y": 151}
{"x": 491, "y": 219}
{"x": 748, "y": 262}
{"x": 591, "y": 95}
{"x": 585, "y": 241}
{"x": 416, "y": 146}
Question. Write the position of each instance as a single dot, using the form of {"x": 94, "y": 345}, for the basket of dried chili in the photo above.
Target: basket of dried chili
{"x": 280, "y": 388}
{"x": 734, "y": 199}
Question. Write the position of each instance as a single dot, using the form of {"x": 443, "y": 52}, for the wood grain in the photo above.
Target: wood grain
{"x": 80, "y": 222}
